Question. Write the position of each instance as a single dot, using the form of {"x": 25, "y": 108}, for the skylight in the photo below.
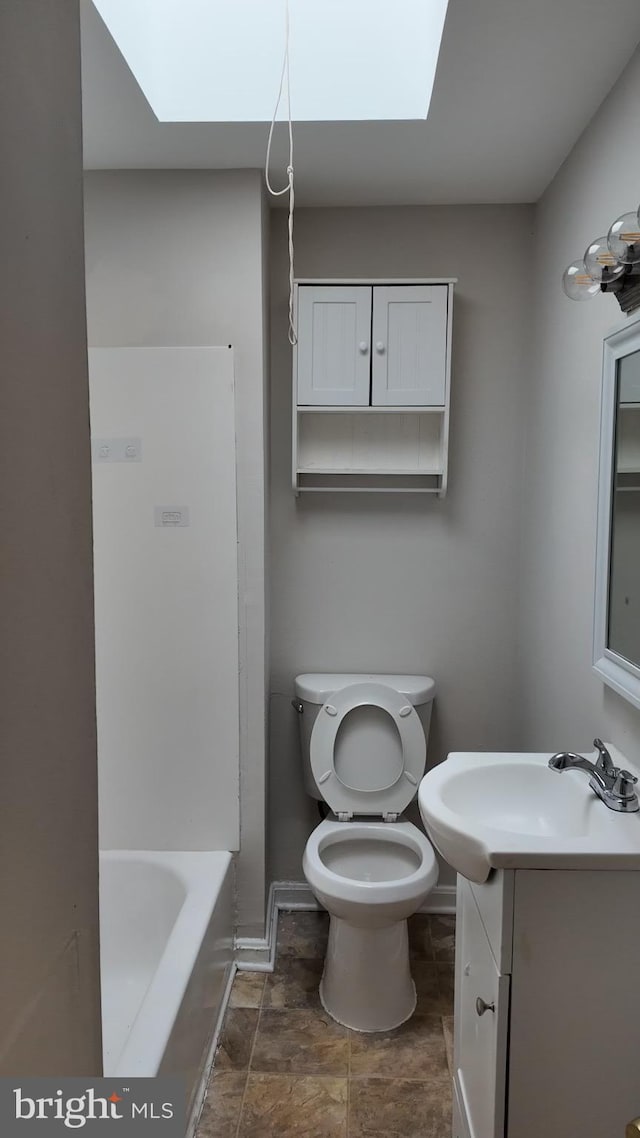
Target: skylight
{"x": 220, "y": 60}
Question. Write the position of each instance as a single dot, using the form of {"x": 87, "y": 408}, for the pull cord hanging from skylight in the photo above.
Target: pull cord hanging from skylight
{"x": 289, "y": 188}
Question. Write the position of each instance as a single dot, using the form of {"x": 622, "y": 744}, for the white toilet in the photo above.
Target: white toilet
{"x": 364, "y": 749}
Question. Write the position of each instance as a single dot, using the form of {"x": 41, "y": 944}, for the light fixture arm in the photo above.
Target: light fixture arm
{"x": 626, "y": 287}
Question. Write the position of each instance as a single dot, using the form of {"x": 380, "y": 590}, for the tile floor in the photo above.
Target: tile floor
{"x": 285, "y": 1068}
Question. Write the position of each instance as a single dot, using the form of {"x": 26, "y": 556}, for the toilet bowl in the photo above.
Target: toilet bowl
{"x": 370, "y": 876}
{"x": 364, "y": 746}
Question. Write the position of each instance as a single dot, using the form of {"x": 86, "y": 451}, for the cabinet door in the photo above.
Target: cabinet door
{"x": 409, "y": 345}
{"x": 334, "y": 345}
{"x": 480, "y": 1057}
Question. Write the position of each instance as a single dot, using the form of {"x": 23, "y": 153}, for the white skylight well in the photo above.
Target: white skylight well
{"x": 220, "y": 60}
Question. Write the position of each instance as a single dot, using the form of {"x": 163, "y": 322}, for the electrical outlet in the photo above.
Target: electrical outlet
{"x": 171, "y": 517}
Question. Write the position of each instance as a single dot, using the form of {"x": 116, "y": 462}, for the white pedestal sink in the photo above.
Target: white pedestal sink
{"x": 485, "y": 811}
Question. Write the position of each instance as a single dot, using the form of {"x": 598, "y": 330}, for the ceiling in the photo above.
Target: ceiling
{"x": 517, "y": 82}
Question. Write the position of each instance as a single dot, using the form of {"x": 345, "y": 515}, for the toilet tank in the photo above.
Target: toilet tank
{"x": 313, "y": 689}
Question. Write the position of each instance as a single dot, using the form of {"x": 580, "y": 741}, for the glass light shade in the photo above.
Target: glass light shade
{"x": 577, "y": 283}
{"x": 624, "y": 239}
{"x": 600, "y": 262}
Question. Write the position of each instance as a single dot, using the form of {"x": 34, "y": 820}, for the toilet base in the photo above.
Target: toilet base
{"x": 366, "y": 984}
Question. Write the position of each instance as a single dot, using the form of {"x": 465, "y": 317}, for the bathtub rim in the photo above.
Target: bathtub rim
{"x": 203, "y": 874}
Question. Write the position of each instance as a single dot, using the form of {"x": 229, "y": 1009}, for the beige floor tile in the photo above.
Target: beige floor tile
{"x": 247, "y": 989}
{"x": 395, "y": 1108}
{"x": 446, "y": 985}
{"x": 447, "y": 1026}
{"x": 420, "y": 947}
{"x": 300, "y": 1041}
{"x": 434, "y": 987}
{"x": 221, "y": 1110}
{"x": 237, "y": 1038}
{"x": 425, "y": 977}
{"x": 303, "y": 934}
{"x": 294, "y": 983}
{"x": 416, "y": 1050}
{"x": 443, "y": 936}
{"x": 294, "y": 1106}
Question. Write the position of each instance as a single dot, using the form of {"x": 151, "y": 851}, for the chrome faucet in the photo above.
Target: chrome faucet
{"x": 611, "y": 783}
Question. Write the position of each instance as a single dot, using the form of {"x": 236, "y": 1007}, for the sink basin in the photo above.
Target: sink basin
{"x": 485, "y": 811}
{"x": 519, "y": 798}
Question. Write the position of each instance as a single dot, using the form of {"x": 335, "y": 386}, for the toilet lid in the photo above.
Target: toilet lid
{"x": 389, "y": 785}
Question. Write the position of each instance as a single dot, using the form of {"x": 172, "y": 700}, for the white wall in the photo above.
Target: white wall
{"x": 406, "y": 584}
{"x": 49, "y": 982}
{"x": 175, "y": 258}
{"x": 166, "y": 599}
{"x": 565, "y": 703}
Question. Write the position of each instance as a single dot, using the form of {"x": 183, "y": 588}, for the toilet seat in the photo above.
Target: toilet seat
{"x": 408, "y": 887}
{"x": 384, "y": 801}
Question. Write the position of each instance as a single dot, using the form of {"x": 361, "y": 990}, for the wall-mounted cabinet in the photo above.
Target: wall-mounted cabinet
{"x": 371, "y": 381}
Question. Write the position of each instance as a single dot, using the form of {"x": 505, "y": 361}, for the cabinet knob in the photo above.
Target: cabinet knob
{"x": 364, "y": 347}
{"x": 482, "y": 1007}
{"x": 632, "y": 1129}
{"x": 380, "y": 347}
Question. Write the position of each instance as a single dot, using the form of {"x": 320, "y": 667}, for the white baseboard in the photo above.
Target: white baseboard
{"x": 257, "y": 954}
{"x": 442, "y": 899}
{"x": 295, "y": 895}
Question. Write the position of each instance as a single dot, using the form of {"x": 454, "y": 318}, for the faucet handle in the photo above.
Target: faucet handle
{"x": 624, "y": 784}
{"x": 604, "y": 762}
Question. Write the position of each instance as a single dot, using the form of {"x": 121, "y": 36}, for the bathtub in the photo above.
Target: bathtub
{"x": 166, "y": 942}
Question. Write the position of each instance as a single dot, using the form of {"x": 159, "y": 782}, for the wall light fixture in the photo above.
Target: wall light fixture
{"x": 610, "y": 264}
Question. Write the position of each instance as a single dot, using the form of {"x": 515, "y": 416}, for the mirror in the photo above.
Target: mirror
{"x": 617, "y": 609}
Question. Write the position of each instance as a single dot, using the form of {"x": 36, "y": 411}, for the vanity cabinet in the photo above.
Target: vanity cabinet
{"x": 553, "y": 1046}
{"x": 371, "y": 376}
{"x": 480, "y": 1040}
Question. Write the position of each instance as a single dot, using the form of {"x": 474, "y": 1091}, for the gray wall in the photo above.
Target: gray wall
{"x": 565, "y": 703}
{"x": 406, "y": 584}
{"x": 175, "y": 258}
{"x": 49, "y": 985}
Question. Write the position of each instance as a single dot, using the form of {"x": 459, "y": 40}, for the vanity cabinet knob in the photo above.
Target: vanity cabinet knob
{"x": 482, "y": 1007}
{"x": 633, "y": 1128}
{"x": 364, "y": 347}
{"x": 380, "y": 347}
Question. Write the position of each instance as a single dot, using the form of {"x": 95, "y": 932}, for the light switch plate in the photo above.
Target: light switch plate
{"x": 116, "y": 450}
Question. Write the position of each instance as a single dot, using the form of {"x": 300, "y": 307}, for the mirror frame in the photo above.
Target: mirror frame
{"x": 619, "y": 673}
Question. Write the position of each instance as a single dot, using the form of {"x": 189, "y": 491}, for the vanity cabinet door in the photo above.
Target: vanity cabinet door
{"x": 334, "y": 345}
{"x": 480, "y": 1052}
{"x": 409, "y": 349}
